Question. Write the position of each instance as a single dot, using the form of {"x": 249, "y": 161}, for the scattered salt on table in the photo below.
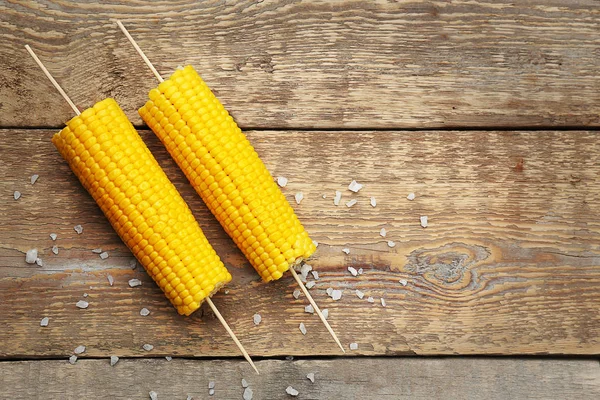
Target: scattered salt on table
{"x": 97, "y": 251}
{"x": 411, "y": 196}
{"x": 424, "y": 221}
{"x": 291, "y": 391}
{"x": 31, "y": 256}
{"x": 311, "y": 377}
{"x": 257, "y": 319}
{"x": 244, "y": 383}
{"x": 111, "y": 280}
{"x": 383, "y": 302}
{"x": 113, "y": 360}
{"x": 147, "y": 347}
{"x": 353, "y": 271}
{"x": 346, "y": 250}
{"x": 351, "y": 203}
{"x": 373, "y": 202}
{"x": 44, "y": 321}
{"x": 296, "y": 293}
{"x": 302, "y": 328}
{"x": 370, "y": 299}
{"x": 403, "y": 282}
{"x": 72, "y": 359}
{"x": 299, "y": 196}
{"x": 282, "y": 181}
{"x": 309, "y": 309}
{"x": 391, "y": 243}
{"x": 79, "y": 349}
{"x": 39, "y": 262}
{"x": 383, "y": 232}
{"x": 360, "y": 271}
{"x": 336, "y": 294}
{"x": 329, "y": 291}
{"x": 104, "y": 255}
{"x": 248, "y": 394}
{"x": 153, "y": 395}
{"x": 359, "y": 294}
{"x": 315, "y": 274}
{"x": 82, "y": 304}
{"x": 353, "y": 346}
{"x": 144, "y": 312}
{"x": 55, "y": 249}
{"x": 310, "y": 285}
{"x": 17, "y": 195}
{"x": 78, "y": 229}
{"x": 306, "y": 268}
{"x": 355, "y": 186}
{"x": 34, "y": 178}
{"x": 53, "y": 236}
{"x": 134, "y": 282}
{"x": 337, "y": 198}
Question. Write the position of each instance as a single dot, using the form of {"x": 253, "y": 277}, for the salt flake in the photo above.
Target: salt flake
{"x": 311, "y": 377}
{"x": 44, "y": 321}
{"x": 351, "y": 203}
{"x": 144, "y": 312}
{"x": 113, "y": 360}
{"x": 424, "y": 221}
{"x": 353, "y": 271}
{"x": 309, "y": 309}
{"x": 360, "y": 271}
{"x": 244, "y": 383}
{"x": 403, "y": 282}
{"x": 39, "y": 262}
{"x": 296, "y": 293}
{"x": 359, "y": 294}
{"x": 325, "y": 313}
{"x": 147, "y": 347}
{"x": 247, "y": 394}
{"x": 111, "y": 280}
{"x": 82, "y": 304}
{"x": 291, "y": 391}
{"x": 31, "y": 256}
{"x": 411, "y": 196}
{"x": 53, "y": 236}
{"x": 104, "y": 255}
{"x": 370, "y": 299}
{"x": 17, "y": 195}
{"x": 299, "y": 196}
{"x": 383, "y": 302}
{"x": 34, "y": 178}
{"x": 383, "y": 232}
{"x": 302, "y": 328}
{"x": 353, "y": 346}
{"x": 336, "y": 294}
{"x": 282, "y": 181}
{"x": 78, "y": 229}
{"x": 337, "y": 198}
{"x": 153, "y": 395}
{"x": 310, "y": 285}
{"x": 329, "y": 291}
{"x": 354, "y": 186}
{"x": 72, "y": 359}
{"x": 79, "y": 349}
{"x": 346, "y": 250}
{"x": 97, "y": 251}
{"x": 391, "y": 243}
{"x": 306, "y": 268}
{"x": 373, "y": 202}
{"x": 168, "y": 358}
{"x": 315, "y": 274}
{"x": 55, "y": 249}
{"x": 134, "y": 282}
{"x": 257, "y": 319}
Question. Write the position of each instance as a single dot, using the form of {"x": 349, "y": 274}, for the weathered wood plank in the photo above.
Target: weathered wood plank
{"x": 510, "y": 262}
{"x": 317, "y": 64}
{"x": 366, "y": 378}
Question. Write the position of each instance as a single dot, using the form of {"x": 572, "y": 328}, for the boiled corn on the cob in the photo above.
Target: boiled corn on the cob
{"x": 223, "y": 167}
{"x": 112, "y": 162}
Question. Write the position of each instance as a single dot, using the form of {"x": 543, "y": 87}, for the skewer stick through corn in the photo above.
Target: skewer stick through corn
{"x": 114, "y": 165}
{"x": 223, "y": 167}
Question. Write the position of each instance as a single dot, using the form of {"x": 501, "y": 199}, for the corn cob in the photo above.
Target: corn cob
{"x": 227, "y": 173}
{"x": 114, "y": 165}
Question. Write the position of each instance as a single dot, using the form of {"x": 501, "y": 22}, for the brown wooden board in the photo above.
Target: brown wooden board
{"x": 509, "y": 264}
{"x": 364, "y": 378}
{"x": 316, "y": 64}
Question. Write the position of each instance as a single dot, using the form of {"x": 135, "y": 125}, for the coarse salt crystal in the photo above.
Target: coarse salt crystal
{"x": 351, "y": 203}
{"x": 144, "y": 312}
{"x": 346, "y": 250}
{"x": 391, "y": 243}
{"x": 78, "y": 229}
{"x": 147, "y": 347}
{"x": 257, "y": 319}
{"x": 424, "y": 221}
{"x": 248, "y": 394}
{"x": 373, "y": 202}
{"x": 329, "y": 291}
{"x": 353, "y": 346}
{"x": 53, "y": 236}
{"x": 244, "y": 383}
{"x": 44, "y": 321}
{"x": 79, "y": 349}
{"x": 299, "y": 196}
{"x": 383, "y": 302}
{"x": 39, "y": 262}
{"x": 82, "y": 304}
{"x": 55, "y": 249}
{"x": 325, "y": 313}
{"x": 104, "y": 255}
{"x": 211, "y": 392}
{"x": 353, "y": 271}
{"x": 302, "y": 328}
{"x": 134, "y": 282}
{"x": 34, "y": 178}
{"x": 85, "y": 295}
{"x": 354, "y": 186}
{"x": 282, "y": 181}
{"x": 296, "y": 293}
{"x": 72, "y": 359}
{"x": 411, "y": 196}
{"x": 336, "y": 294}
{"x": 111, "y": 280}
{"x": 360, "y": 271}
{"x": 97, "y": 251}
{"x": 305, "y": 269}
{"x": 324, "y": 196}
{"x": 31, "y": 256}
{"x": 153, "y": 395}
{"x": 113, "y": 360}
{"x": 309, "y": 309}
{"x": 168, "y": 358}
{"x": 383, "y": 232}
{"x": 337, "y": 198}
{"x": 315, "y": 274}
{"x": 310, "y": 285}
{"x": 211, "y": 384}
{"x": 17, "y": 195}
{"x": 403, "y": 282}
{"x": 359, "y": 294}
{"x": 311, "y": 377}
{"x": 291, "y": 391}
{"x": 370, "y": 299}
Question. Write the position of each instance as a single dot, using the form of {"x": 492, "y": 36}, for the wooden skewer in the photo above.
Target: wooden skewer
{"x": 56, "y": 85}
{"x": 294, "y": 274}
{"x": 208, "y": 300}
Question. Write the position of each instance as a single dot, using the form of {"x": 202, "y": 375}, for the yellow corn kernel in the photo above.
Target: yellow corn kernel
{"x": 223, "y": 167}
{"x": 142, "y": 204}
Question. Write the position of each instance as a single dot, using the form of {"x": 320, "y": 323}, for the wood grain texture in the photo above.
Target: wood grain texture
{"x": 370, "y": 378}
{"x": 510, "y": 262}
{"x": 316, "y": 64}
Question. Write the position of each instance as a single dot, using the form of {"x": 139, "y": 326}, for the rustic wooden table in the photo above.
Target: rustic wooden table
{"x": 487, "y": 111}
